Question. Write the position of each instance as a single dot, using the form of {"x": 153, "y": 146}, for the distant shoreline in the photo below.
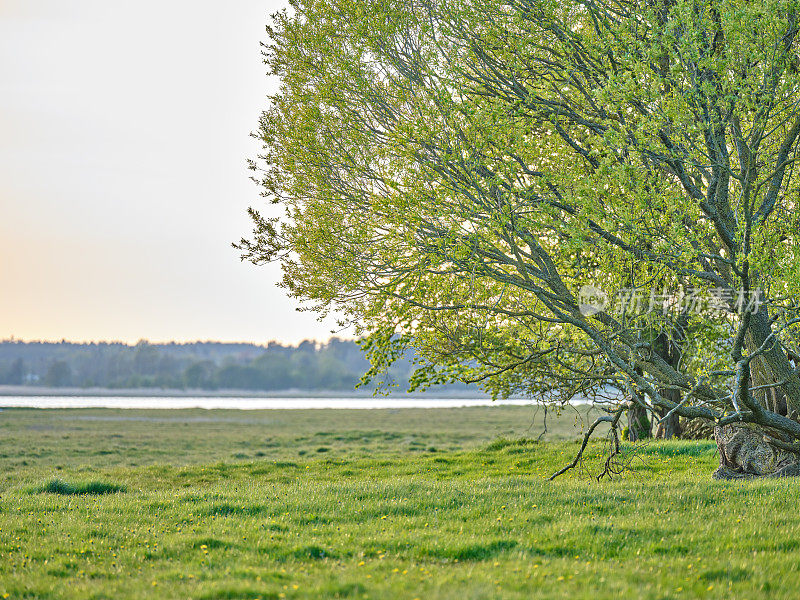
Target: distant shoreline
{"x": 29, "y": 390}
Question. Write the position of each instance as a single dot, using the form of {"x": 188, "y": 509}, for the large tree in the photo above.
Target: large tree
{"x": 455, "y": 173}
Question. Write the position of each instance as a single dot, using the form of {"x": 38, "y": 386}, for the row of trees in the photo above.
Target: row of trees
{"x": 335, "y": 365}
{"x": 453, "y": 174}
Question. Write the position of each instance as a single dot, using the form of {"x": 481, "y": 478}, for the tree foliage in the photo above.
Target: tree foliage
{"x": 453, "y": 173}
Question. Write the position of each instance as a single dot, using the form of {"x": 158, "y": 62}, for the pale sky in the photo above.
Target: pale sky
{"x": 124, "y": 131}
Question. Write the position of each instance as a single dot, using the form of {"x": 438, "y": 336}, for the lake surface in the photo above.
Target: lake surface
{"x": 244, "y": 403}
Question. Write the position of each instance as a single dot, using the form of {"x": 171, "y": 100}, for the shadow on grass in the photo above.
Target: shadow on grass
{"x": 472, "y": 552}
{"x": 230, "y": 510}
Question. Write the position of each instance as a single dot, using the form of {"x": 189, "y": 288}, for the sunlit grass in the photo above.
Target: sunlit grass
{"x": 402, "y": 523}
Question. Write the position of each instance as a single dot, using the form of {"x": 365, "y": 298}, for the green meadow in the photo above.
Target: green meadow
{"x": 411, "y": 503}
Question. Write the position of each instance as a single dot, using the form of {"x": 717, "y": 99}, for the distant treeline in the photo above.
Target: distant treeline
{"x": 336, "y": 365}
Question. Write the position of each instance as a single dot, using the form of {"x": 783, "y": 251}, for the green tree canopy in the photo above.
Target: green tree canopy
{"x": 453, "y": 174}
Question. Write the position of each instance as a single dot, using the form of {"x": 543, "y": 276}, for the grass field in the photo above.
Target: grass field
{"x": 445, "y": 503}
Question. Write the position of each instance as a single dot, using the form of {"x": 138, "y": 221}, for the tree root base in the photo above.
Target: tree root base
{"x": 746, "y": 453}
{"x": 723, "y": 473}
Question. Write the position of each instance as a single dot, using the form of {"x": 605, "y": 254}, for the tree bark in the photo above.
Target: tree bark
{"x": 671, "y": 427}
{"x": 774, "y": 365}
{"x": 639, "y": 427}
{"x": 772, "y": 398}
{"x": 745, "y": 452}
{"x": 668, "y": 348}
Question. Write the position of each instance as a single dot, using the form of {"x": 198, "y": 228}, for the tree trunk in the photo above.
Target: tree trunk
{"x": 772, "y": 398}
{"x": 748, "y": 450}
{"x": 639, "y": 426}
{"x": 668, "y": 348}
{"x": 773, "y": 366}
{"x": 745, "y": 452}
{"x": 671, "y": 427}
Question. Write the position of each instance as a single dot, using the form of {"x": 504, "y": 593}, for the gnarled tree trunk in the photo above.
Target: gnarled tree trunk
{"x": 746, "y": 453}
{"x": 639, "y": 426}
{"x": 668, "y": 347}
{"x": 670, "y": 427}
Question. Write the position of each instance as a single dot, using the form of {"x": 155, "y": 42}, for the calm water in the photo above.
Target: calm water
{"x": 245, "y": 403}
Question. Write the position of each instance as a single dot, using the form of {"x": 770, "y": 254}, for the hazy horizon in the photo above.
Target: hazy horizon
{"x": 123, "y": 180}
{"x": 157, "y": 342}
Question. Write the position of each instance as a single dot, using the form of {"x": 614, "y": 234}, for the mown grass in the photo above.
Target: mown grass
{"x": 390, "y": 522}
